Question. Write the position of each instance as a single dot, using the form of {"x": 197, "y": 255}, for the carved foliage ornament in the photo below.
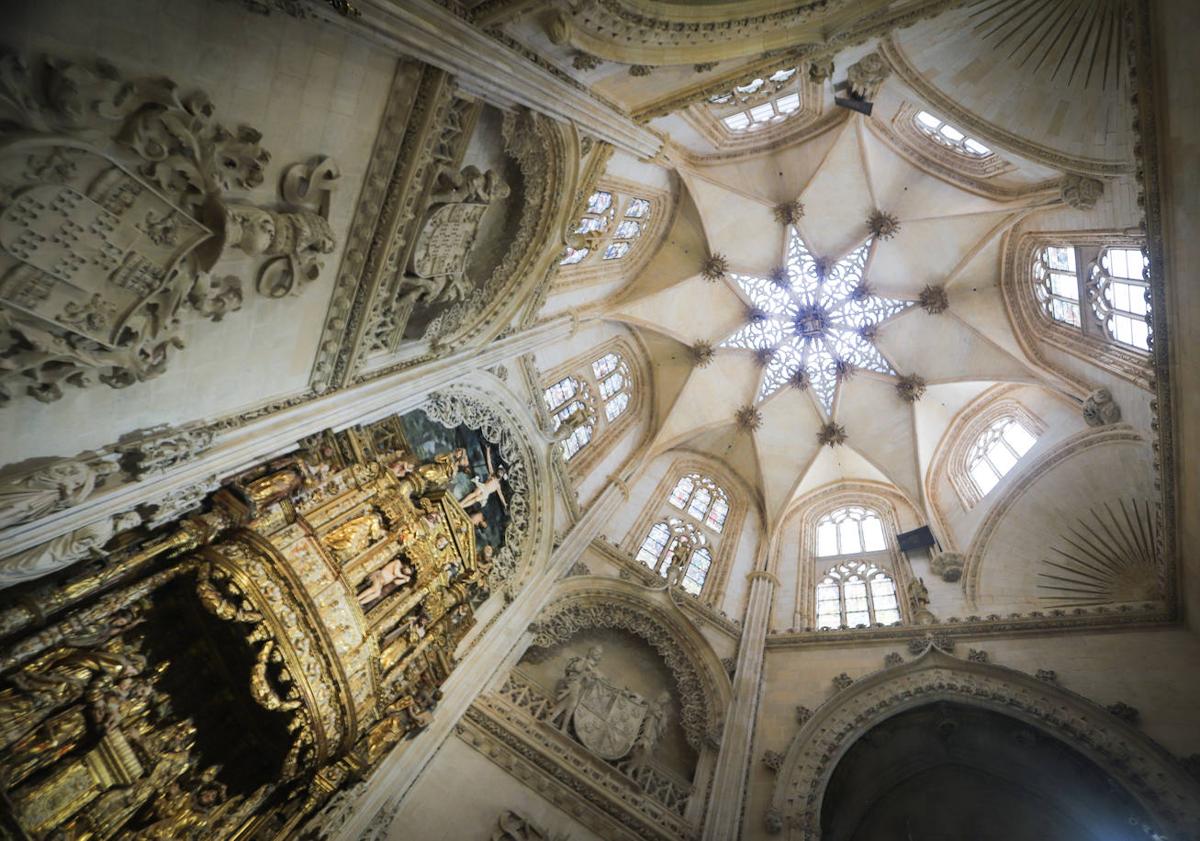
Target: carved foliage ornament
{"x": 113, "y": 214}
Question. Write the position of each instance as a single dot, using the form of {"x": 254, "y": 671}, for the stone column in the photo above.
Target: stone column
{"x": 496, "y": 653}
{"x": 729, "y": 781}
{"x": 276, "y": 433}
{"x": 484, "y": 66}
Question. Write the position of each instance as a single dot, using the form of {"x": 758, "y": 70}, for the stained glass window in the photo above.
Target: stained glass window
{"x": 1119, "y": 300}
{"x": 605, "y": 382}
{"x": 1111, "y": 278}
{"x": 568, "y": 399}
{"x": 616, "y": 240}
{"x": 760, "y": 116}
{"x": 701, "y": 498}
{"x": 856, "y": 594}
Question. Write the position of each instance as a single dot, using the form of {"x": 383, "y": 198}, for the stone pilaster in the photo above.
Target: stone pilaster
{"x": 725, "y": 810}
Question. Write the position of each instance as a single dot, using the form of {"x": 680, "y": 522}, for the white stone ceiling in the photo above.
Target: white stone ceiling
{"x": 947, "y": 237}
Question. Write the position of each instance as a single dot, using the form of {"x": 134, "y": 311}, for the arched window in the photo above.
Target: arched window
{"x": 1120, "y": 294}
{"x": 949, "y": 137}
{"x": 671, "y": 537}
{"x": 590, "y": 400}
{"x": 702, "y": 499}
{"x": 1101, "y": 291}
{"x": 997, "y": 451}
{"x": 568, "y": 402}
{"x": 849, "y": 531}
{"x": 617, "y": 221}
{"x": 856, "y": 593}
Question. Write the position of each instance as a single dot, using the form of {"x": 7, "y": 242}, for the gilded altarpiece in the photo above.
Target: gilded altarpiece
{"x": 224, "y": 675}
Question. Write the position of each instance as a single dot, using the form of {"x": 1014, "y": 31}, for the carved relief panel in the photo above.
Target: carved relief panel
{"x": 114, "y": 208}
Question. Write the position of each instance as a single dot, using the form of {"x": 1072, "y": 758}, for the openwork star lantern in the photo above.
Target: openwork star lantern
{"x": 817, "y": 320}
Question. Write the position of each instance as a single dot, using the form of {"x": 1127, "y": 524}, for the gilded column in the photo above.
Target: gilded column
{"x": 496, "y": 653}
{"x": 724, "y": 811}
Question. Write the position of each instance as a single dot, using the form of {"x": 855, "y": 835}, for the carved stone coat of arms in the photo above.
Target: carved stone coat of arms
{"x": 608, "y": 719}
{"x": 98, "y": 255}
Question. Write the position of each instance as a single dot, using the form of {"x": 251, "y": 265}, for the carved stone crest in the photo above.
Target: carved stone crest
{"x": 112, "y": 214}
{"x": 608, "y": 719}
{"x": 437, "y": 268}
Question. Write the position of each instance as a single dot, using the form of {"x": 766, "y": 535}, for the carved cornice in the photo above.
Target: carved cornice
{"x": 581, "y": 784}
{"x": 1142, "y": 767}
{"x": 1038, "y": 623}
{"x": 875, "y": 23}
{"x": 988, "y": 132}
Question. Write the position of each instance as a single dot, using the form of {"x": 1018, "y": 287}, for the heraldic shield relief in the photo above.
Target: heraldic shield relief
{"x": 92, "y": 254}
{"x": 608, "y": 718}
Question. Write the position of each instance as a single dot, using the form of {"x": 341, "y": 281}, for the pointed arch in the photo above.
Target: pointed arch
{"x": 1147, "y": 771}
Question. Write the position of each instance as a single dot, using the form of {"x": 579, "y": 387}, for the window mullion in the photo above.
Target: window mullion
{"x": 1089, "y": 323}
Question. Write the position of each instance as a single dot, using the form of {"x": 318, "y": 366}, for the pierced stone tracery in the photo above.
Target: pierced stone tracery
{"x": 817, "y": 320}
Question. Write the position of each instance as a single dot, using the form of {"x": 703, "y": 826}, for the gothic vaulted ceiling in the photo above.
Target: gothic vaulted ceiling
{"x": 858, "y": 318}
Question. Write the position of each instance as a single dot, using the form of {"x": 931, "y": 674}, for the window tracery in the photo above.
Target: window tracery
{"x": 702, "y": 499}
{"x": 590, "y": 398}
{"x": 856, "y": 594}
{"x": 612, "y": 224}
{"x": 1100, "y": 291}
{"x": 949, "y": 136}
{"x": 661, "y": 544}
{"x": 996, "y": 452}
{"x": 851, "y": 570}
{"x": 848, "y": 531}
{"x": 689, "y": 507}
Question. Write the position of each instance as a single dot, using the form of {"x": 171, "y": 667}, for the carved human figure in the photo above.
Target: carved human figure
{"x": 580, "y": 672}
{"x": 653, "y": 725}
{"x": 355, "y": 535}
{"x": 469, "y": 185}
{"x": 84, "y": 542}
{"x": 51, "y": 488}
{"x": 395, "y": 571}
{"x": 483, "y": 490}
{"x": 918, "y": 593}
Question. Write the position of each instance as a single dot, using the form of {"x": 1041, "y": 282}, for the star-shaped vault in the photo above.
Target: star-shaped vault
{"x": 815, "y": 324}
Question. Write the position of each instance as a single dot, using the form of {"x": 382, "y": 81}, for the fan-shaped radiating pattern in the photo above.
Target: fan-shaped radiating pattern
{"x": 816, "y": 322}
{"x": 1079, "y": 41}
